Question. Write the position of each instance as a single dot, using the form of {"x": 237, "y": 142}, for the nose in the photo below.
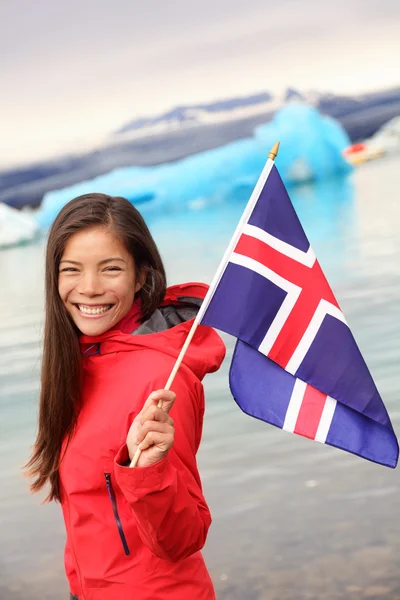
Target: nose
{"x": 90, "y": 285}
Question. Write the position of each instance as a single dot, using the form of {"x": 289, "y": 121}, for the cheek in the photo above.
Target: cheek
{"x": 129, "y": 294}
{"x": 64, "y": 289}
{"x": 125, "y": 291}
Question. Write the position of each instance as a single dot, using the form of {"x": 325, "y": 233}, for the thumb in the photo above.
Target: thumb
{"x": 162, "y": 398}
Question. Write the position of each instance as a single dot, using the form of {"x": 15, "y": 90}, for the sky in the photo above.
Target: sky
{"x": 72, "y": 72}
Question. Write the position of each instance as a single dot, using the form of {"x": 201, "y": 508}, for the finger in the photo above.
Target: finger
{"x": 155, "y": 438}
{"x": 155, "y": 426}
{"x": 154, "y": 413}
{"x": 150, "y": 405}
{"x": 165, "y": 398}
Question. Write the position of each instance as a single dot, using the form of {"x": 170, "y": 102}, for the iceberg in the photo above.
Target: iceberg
{"x": 16, "y": 227}
{"x": 311, "y": 143}
{"x": 311, "y": 149}
{"x": 130, "y": 182}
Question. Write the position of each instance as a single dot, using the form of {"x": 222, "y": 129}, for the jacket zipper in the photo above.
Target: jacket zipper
{"x": 113, "y": 499}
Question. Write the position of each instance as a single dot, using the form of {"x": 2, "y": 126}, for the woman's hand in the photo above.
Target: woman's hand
{"x": 153, "y": 429}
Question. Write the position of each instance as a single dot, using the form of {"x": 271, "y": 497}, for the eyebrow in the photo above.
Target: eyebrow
{"x": 102, "y": 262}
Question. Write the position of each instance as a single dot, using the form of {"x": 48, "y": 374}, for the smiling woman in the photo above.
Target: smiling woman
{"x": 112, "y": 335}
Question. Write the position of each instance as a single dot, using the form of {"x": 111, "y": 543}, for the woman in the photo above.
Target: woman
{"x": 112, "y": 335}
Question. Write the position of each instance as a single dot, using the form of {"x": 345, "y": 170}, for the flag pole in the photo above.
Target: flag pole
{"x": 220, "y": 270}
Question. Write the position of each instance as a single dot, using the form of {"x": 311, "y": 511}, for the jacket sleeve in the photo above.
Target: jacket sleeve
{"x": 166, "y": 498}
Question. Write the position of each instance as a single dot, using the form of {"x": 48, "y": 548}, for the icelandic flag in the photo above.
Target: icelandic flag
{"x": 296, "y": 364}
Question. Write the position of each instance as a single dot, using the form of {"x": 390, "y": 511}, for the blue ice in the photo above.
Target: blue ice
{"x": 311, "y": 149}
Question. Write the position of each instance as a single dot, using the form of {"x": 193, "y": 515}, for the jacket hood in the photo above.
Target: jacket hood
{"x": 165, "y": 331}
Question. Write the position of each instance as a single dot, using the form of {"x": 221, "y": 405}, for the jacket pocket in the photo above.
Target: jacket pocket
{"x": 113, "y": 499}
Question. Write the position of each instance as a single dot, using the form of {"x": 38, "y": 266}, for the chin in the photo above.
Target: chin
{"x": 93, "y": 328}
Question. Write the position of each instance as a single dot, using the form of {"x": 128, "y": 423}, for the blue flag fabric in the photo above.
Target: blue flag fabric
{"x": 296, "y": 364}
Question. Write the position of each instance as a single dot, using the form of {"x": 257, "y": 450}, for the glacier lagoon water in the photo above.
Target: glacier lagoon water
{"x": 291, "y": 518}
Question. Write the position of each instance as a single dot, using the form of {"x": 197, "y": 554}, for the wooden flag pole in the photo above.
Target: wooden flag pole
{"x": 220, "y": 271}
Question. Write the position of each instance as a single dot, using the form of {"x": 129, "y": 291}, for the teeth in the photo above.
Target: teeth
{"x": 98, "y": 310}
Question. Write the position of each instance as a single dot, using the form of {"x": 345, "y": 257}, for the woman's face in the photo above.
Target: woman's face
{"x": 97, "y": 280}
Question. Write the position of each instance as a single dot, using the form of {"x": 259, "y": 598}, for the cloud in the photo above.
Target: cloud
{"x": 75, "y": 70}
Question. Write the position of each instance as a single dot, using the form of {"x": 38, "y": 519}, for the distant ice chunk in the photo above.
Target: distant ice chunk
{"x": 16, "y": 227}
{"x": 311, "y": 143}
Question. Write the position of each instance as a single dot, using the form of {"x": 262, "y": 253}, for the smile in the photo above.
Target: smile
{"x": 93, "y": 310}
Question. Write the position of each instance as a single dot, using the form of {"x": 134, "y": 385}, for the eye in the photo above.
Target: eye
{"x": 114, "y": 268}
{"x": 69, "y": 269}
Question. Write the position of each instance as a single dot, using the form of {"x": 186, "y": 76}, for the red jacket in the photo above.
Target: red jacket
{"x": 136, "y": 534}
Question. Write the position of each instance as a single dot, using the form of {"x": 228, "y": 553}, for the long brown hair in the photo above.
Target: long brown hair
{"x": 61, "y": 383}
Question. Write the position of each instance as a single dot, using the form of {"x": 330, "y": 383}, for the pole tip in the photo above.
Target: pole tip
{"x": 274, "y": 151}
